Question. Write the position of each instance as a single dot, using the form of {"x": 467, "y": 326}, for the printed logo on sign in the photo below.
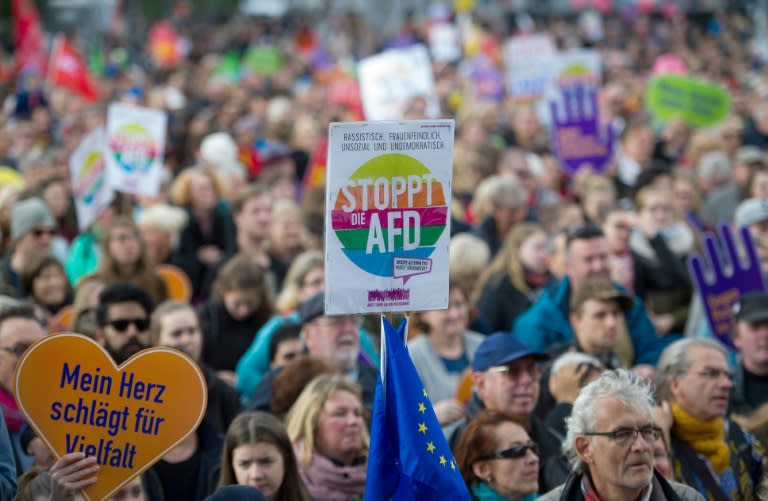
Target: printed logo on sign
{"x": 134, "y": 148}
{"x": 91, "y": 179}
{"x": 389, "y": 215}
{"x": 574, "y": 75}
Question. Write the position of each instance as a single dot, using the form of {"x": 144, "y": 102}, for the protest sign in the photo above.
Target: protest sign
{"x": 388, "y": 222}
{"x": 529, "y": 62}
{"x": 262, "y": 60}
{"x": 88, "y": 174}
{"x": 698, "y": 103}
{"x": 729, "y": 278}
{"x": 389, "y": 80}
{"x": 77, "y": 400}
{"x": 578, "y": 137}
{"x": 444, "y": 42}
{"x": 576, "y": 68}
{"x": 134, "y": 148}
{"x": 488, "y": 80}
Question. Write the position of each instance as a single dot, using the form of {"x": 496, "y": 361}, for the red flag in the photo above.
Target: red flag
{"x": 28, "y": 38}
{"x": 69, "y": 70}
{"x": 315, "y": 175}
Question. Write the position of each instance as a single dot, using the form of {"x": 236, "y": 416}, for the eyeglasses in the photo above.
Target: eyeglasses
{"x": 39, "y": 232}
{"x": 340, "y": 321}
{"x": 515, "y": 452}
{"x": 517, "y": 370}
{"x": 17, "y": 349}
{"x": 626, "y": 436}
{"x": 121, "y": 324}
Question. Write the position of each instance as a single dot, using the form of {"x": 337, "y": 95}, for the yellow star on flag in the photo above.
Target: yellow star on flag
{"x": 424, "y": 391}
{"x": 453, "y": 466}
{"x": 431, "y": 447}
{"x": 423, "y": 428}
{"x": 443, "y": 460}
{"x": 422, "y": 407}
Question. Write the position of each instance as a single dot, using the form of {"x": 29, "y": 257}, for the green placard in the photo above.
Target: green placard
{"x": 262, "y": 60}
{"x": 698, "y": 103}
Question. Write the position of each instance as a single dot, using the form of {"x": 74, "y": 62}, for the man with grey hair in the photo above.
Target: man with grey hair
{"x": 711, "y": 453}
{"x": 503, "y": 203}
{"x": 609, "y": 444}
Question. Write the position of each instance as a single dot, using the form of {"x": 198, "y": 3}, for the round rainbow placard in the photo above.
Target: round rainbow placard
{"x": 391, "y": 208}
{"x": 134, "y": 148}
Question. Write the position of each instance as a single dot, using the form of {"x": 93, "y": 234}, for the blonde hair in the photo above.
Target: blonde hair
{"x": 303, "y": 418}
{"x": 497, "y": 191}
{"x": 180, "y": 191}
{"x": 468, "y": 257}
{"x": 288, "y": 300}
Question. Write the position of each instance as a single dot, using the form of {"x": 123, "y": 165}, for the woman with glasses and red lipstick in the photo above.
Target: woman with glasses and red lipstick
{"x": 498, "y": 460}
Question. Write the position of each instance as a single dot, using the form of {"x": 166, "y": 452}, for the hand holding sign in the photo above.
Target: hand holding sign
{"x": 123, "y": 418}
{"x": 720, "y": 291}
{"x": 579, "y": 139}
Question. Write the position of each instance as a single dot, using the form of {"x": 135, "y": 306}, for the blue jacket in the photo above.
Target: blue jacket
{"x": 7, "y": 463}
{"x": 546, "y": 324}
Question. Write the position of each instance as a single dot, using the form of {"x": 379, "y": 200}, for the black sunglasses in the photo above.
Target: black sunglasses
{"x": 121, "y": 324}
{"x": 39, "y": 232}
{"x": 513, "y": 452}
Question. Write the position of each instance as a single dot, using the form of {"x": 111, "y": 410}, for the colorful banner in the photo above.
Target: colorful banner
{"x": 262, "y": 60}
{"x": 388, "y": 222}
{"x": 388, "y": 81}
{"x": 88, "y": 174}
{"x": 576, "y": 67}
{"x": 135, "y": 148}
{"x": 127, "y": 417}
{"x": 529, "y": 62}
{"x": 728, "y": 278}
{"x": 579, "y": 139}
{"x": 698, "y": 103}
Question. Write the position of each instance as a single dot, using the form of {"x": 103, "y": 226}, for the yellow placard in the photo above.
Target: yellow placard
{"x": 128, "y": 417}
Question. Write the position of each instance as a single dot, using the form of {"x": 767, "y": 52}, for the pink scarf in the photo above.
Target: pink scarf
{"x": 325, "y": 480}
{"x": 14, "y": 420}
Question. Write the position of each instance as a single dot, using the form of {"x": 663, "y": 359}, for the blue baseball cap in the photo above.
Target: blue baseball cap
{"x": 501, "y": 348}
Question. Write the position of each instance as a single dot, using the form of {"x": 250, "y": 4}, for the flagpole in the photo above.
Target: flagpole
{"x": 383, "y": 358}
{"x": 54, "y": 50}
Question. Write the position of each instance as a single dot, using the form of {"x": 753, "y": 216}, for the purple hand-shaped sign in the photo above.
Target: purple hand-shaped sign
{"x": 578, "y": 137}
{"x": 728, "y": 280}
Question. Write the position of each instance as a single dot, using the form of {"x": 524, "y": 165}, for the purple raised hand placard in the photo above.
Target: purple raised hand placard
{"x": 727, "y": 280}
{"x": 578, "y": 137}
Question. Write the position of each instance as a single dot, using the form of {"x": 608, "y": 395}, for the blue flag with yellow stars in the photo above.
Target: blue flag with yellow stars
{"x": 409, "y": 456}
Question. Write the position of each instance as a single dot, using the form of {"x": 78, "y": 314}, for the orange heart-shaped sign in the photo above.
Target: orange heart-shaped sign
{"x": 128, "y": 417}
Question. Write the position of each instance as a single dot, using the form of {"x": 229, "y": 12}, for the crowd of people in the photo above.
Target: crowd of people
{"x": 574, "y": 360}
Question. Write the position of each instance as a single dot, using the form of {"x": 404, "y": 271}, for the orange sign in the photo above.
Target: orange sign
{"x": 128, "y": 417}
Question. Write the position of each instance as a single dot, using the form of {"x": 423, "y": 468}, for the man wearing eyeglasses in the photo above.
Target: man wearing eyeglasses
{"x": 750, "y": 384}
{"x": 711, "y": 452}
{"x": 546, "y": 324}
{"x": 611, "y": 434}
{"x": 32, "y": 231}
{"x": 506, "y": 378}
{"x": 19, "y": 329}
{"x": 123, "y": 318}
{"x": 332, "y": 339}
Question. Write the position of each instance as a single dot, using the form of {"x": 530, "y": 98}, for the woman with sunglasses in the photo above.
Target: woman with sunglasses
{"x": 498, "y": 460}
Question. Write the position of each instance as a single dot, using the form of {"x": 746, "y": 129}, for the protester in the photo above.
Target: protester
{"x": 44, "y": 282}
{"x": 497, "y": 459}
{"x": 175, "y": 324}
{"x": 711, "y": 452}
{"x": 443, "y": 352}
{"x": 329, "y": 436}
{"x": 610, "y": 442}
{"x": 257, "y": 452}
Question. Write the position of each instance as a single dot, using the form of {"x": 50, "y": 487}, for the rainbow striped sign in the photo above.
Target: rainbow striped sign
{"x": 388, "y": 199}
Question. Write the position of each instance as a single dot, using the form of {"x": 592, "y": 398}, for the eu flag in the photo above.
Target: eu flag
{"x": 409, "y": 456}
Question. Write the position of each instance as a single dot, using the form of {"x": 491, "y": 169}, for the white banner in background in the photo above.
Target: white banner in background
{"x": 88, "y": 174}
{"x": 135, "y": 148}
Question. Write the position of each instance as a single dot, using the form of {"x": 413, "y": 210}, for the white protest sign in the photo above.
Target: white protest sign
{"x": 530, "y": 63}
{"x": 88, "y": 174}
{"x": 389, "y": 80}
{"x": 135, "y": 147}
{"x": 388, "y": 198}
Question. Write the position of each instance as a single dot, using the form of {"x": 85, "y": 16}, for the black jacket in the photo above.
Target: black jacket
{"x": 223, "y": 401}
{"x": 500, "y": 303}
{"x": 662, "y": 490}
{"x": 210, "y": 444}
